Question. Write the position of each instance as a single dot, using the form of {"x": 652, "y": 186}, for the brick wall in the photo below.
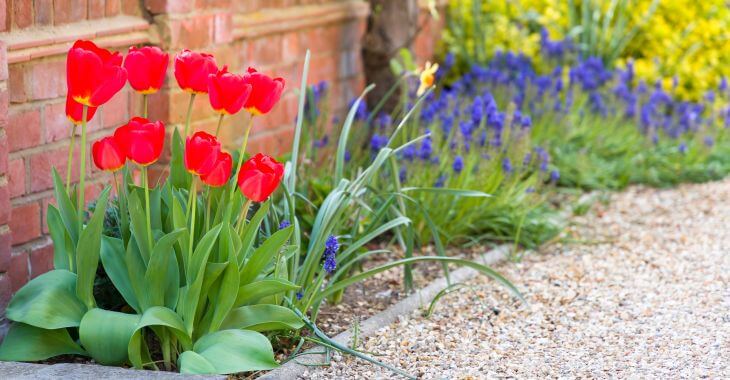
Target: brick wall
{"x": 271, "y": 35}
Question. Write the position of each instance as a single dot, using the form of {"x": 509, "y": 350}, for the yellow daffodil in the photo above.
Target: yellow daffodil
{"x": 428, "y": 76}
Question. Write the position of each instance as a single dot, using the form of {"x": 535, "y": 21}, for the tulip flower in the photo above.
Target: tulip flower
{"x": 228, "y": 92}
{"x": 108, "y": 155}
{"x": 265, "y": 92}
{"x": 146, "y": 68}
{"x": 221, "y": 171}
{"x": 141, "y": 140}
{"x": 192, "y": 70}
{"x": 75, "y": 110}
{"x": 201, "y": 153}
{"x": 93, "y": 74}
{"x": 259, "y": 177}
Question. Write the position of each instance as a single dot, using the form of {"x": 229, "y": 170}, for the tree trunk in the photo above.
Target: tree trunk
{"x": 392, "y": 25}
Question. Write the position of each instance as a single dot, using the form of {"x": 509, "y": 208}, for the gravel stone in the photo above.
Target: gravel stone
{"x": 638, "y": 288}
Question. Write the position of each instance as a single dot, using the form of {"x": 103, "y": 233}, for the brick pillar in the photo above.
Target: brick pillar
{"x": 5, "y": 236}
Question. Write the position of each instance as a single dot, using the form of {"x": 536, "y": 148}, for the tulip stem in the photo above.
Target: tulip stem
{"x": 207, "y": 196}
{"x": 145, "y": 184}
{"x": 189, "y": 115}
{"x": 241, "y": 153}
{"x": 144, "y": 105}
{"x": 70, "y": 159}
{"x": 194, "y": 201}
{"x": 242, "y": 217}
{"x": 82, "y": 171}
{"x": 220, "y": 122}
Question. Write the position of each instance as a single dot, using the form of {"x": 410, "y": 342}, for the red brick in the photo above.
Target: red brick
{"x": 16, "y": 177}
{"x": 323, "y": 67}
{"x": 93, "y": 190}
{"x": 66, "y": 11}
{"x": 24, "y": 129}
{"x": 4, "y": 205}
{"x": 291, "y": 49}
{"x": 112, "y": 7}
{"x": 22, "y": 13}
{"x": 3, "y": 153}
{"x": 265, "y": 51}
{"x": 41, "y": 259}
{"x": 5, "y": 249}
{"x": 18, "y": 270}
{"x": 48, "y": 79}
{"x": 5, "y": 289}
{"x": 45, "y": 202}
{"x": 3, "y": 61}
{"x": 169, "y": 6}
{"x": 41, "y": 164}
{"x": 157, "y": 105}
{"x": 131, "y": 8}
{"x": 4, "y": 108}
{"x": 223, "y": 28}
{"x": 3, "y": 24}
{"x": 43, "y": 12}
{"x": 25, "y": 222}
{"x": 192, "y": 32}
{"x": 56, "y": 124}
{"x": 114, "y": 112}
{"x": 96, "y": 9}
{"x": 17, "y": 84}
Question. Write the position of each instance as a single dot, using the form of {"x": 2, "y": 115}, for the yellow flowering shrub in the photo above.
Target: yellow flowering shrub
{"x": 684, "y": 39}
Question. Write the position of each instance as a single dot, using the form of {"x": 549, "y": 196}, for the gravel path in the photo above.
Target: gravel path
{"x": 646, "y": 294}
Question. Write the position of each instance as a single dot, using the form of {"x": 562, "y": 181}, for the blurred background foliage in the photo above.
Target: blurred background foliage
{"x": 682, "y": 44}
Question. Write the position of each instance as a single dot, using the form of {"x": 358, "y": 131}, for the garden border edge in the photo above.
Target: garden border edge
{"x": 294, "y": 369}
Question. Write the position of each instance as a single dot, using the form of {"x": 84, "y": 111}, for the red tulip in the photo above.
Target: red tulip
{"x": 259, "y": 177}
{"x": 75, "y": 111}
{"x": 93, "y": 74}
{"x": 265, "y": 93}
{"x": 141, "y": 140}
{"x": 201, "y": 153}
{"x": 192, "y": 70}
{"x": 227, "y": 92}
{"x": 221, "y": 171}
{"x": 108, "y": 155}
{"x": 146, "y": 68}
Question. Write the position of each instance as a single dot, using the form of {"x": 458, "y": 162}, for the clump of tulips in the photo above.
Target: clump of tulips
{"x": 187, "y": 259}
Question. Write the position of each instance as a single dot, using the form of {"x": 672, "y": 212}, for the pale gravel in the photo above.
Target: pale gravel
{"x": 645, "y": 293}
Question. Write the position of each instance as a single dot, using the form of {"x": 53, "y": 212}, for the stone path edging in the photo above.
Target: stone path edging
{"x": 17, "y": 370}
{"x": 292, "y": 370}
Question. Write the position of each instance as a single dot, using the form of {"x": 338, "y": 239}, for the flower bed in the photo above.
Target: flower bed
{"x": 207, "y": 266}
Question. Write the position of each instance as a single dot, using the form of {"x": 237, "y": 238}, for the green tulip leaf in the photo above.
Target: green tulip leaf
{"x": 115, "y": 266}
{"x": 191, "y": 362}
{"x": 179, "y": 177}
{"x": 67, "y": 209}
{"x": 263, "y": 255}
{"x": 225, "y": 296}
{"x": 106, "y": 334}
{"x": 262, "y": 318}
{"x": 250, "y": 230}
{"x": 192, "y": 291}
{"x": 229, "y": 351}
{"x": 48, "y": 301}
{"x": 160, "y": 277}
{"x": 136, "y": 268}
{"x": 29, "y": 343}
{"x": 64, "y": 252}
{"x": 87, "y": 252}
{"x": 256, "y": 290}
{"x": 156, "y": 317}
{"x": 138, "y": 221}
